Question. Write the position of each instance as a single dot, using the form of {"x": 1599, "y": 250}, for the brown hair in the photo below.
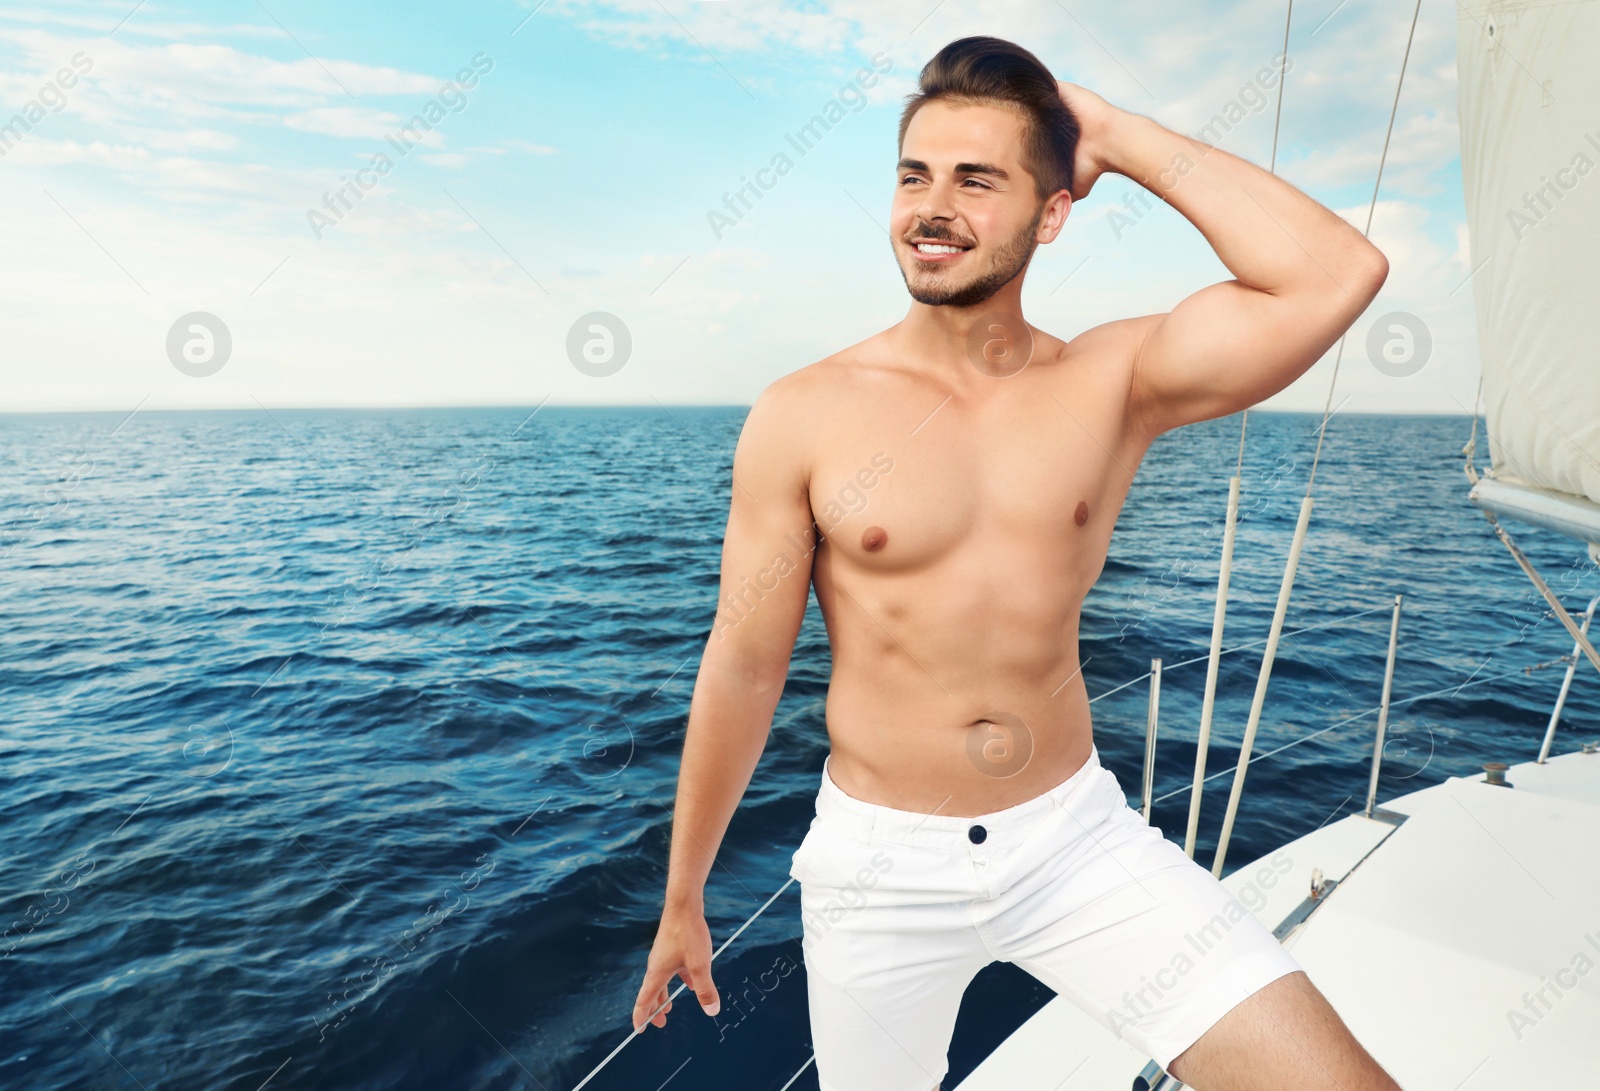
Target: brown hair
{"x": 986, "y": 71}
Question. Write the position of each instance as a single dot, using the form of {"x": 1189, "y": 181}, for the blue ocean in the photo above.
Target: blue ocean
{"x": 340, "y": 747}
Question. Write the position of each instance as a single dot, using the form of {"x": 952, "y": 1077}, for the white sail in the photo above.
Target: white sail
{"x": 1529, "y": 87}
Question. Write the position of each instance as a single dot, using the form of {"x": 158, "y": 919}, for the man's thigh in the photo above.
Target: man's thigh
{"x": 1140, "y": 937}
{"x": 880, "y": 1025}
{"x": 884, "y": 979}
{"x": 1286, "y": 1034}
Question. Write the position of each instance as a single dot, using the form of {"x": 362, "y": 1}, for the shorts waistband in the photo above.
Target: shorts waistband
{"x": 875, "y": 822}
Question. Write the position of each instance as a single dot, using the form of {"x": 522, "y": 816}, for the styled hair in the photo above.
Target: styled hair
{"x": 989, "y": 71}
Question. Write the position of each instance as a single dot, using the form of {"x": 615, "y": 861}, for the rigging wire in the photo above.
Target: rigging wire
{"x": 1451, "y": 690}
{"x": 1258, "y": 702}
{"x": 681, "y": 986}
{"x": 1272, "y": 166}
{"x": 1366, "y": 231}
{"x": 1472, "y": 441}
{"x": 1219, "y": 612}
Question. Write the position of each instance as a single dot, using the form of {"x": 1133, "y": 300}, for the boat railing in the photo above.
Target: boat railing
{"x": 1566, "y": 683}
{"x": 1385, "y": 705}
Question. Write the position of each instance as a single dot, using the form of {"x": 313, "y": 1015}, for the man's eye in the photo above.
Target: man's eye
{"x": 983, "y": 185}
{"x": 909, "y": 178}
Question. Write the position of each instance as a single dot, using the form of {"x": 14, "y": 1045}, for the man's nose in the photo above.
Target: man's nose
{"x": 937, "y": 202}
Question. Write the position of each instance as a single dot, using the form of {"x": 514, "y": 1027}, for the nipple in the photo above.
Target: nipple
{"x": 874, "y": 539}
{"x": 1081, "y": 516}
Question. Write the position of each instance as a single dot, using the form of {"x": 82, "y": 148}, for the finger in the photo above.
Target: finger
{"x": 699, "y": 979}
{"x": 651, "y": 995}
{"x": 652, "y": 1009}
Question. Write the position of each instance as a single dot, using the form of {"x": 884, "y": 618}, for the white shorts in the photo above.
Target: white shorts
{"x": 902, "y": 909}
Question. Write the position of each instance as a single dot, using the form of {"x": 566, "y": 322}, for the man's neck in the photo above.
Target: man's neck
{"x": 947, "y": 341}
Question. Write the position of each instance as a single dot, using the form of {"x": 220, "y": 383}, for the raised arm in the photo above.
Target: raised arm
{"x": 766, "y": 578}
{"x": 1302, "y": 275}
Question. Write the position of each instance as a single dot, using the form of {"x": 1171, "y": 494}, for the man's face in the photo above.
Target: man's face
{"x": 961, "y": 184}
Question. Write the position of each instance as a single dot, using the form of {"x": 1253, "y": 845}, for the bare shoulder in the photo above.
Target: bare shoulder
{"x": 1111, "y": 350}
{"x": 1116, "y": 340}
{"x": 802, "y": 393}
{"x": 788, "y": 401}
{"x": 776, "y": 444}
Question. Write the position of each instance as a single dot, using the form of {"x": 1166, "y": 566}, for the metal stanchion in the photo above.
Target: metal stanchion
{"x": 1383, "y": 706}
{"x": 1150, "y": 736}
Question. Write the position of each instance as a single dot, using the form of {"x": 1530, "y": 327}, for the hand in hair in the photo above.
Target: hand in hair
{"x": 1094, "y": 115}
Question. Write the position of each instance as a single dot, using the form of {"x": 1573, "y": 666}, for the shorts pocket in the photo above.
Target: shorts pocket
{"x": 797, "y": 861}
{"x": 820, "y": 844}
{"x": 831, "y": 857}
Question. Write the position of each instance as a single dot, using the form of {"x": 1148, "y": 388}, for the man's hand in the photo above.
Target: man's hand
{"x": 1094, "y": 115}
{"x": 682, "y": 948}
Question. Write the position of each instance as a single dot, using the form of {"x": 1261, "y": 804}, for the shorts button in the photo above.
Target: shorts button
{"x": 976, "y": 834}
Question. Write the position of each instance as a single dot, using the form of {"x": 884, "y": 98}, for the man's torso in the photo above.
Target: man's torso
{"x": 962, "y": 520}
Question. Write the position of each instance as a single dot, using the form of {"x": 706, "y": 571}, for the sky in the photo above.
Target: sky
{"x": 218, "y": 204}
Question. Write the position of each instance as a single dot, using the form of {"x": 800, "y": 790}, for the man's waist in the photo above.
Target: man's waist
{"x": 944, "y": 820}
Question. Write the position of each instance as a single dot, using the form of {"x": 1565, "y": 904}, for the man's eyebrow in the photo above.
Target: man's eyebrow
{"x": 961, "y": 168}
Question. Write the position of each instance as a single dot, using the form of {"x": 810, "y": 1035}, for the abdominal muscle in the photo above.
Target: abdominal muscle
{"x": 957, "y": 719}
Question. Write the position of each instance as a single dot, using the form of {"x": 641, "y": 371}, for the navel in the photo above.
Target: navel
{"x": 1081, "y": 516}
{"x": 874, "y": 539}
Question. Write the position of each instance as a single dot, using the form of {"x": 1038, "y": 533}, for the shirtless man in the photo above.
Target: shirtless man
{"x": 950, "y": 486}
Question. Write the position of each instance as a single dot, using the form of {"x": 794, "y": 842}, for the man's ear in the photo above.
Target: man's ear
{"x": 1055, "y": 215}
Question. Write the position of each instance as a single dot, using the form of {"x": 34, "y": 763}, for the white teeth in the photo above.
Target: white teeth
{"x": 936, "y": 248}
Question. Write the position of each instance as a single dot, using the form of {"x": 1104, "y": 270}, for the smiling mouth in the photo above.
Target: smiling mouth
{"x": 937, "y": 251}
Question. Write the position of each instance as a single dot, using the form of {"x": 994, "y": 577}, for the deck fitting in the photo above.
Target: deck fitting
{"x": 1494, "y": 772}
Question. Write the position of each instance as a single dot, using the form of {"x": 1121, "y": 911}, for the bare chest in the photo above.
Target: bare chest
{"x": 902, "y": 480}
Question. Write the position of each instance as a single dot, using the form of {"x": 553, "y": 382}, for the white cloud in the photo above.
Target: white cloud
{"x": 526, "y": 146}
{"x": 194, "y": 161}
{"x": 359, "y": 122}
{"x": 822, "y": 29}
